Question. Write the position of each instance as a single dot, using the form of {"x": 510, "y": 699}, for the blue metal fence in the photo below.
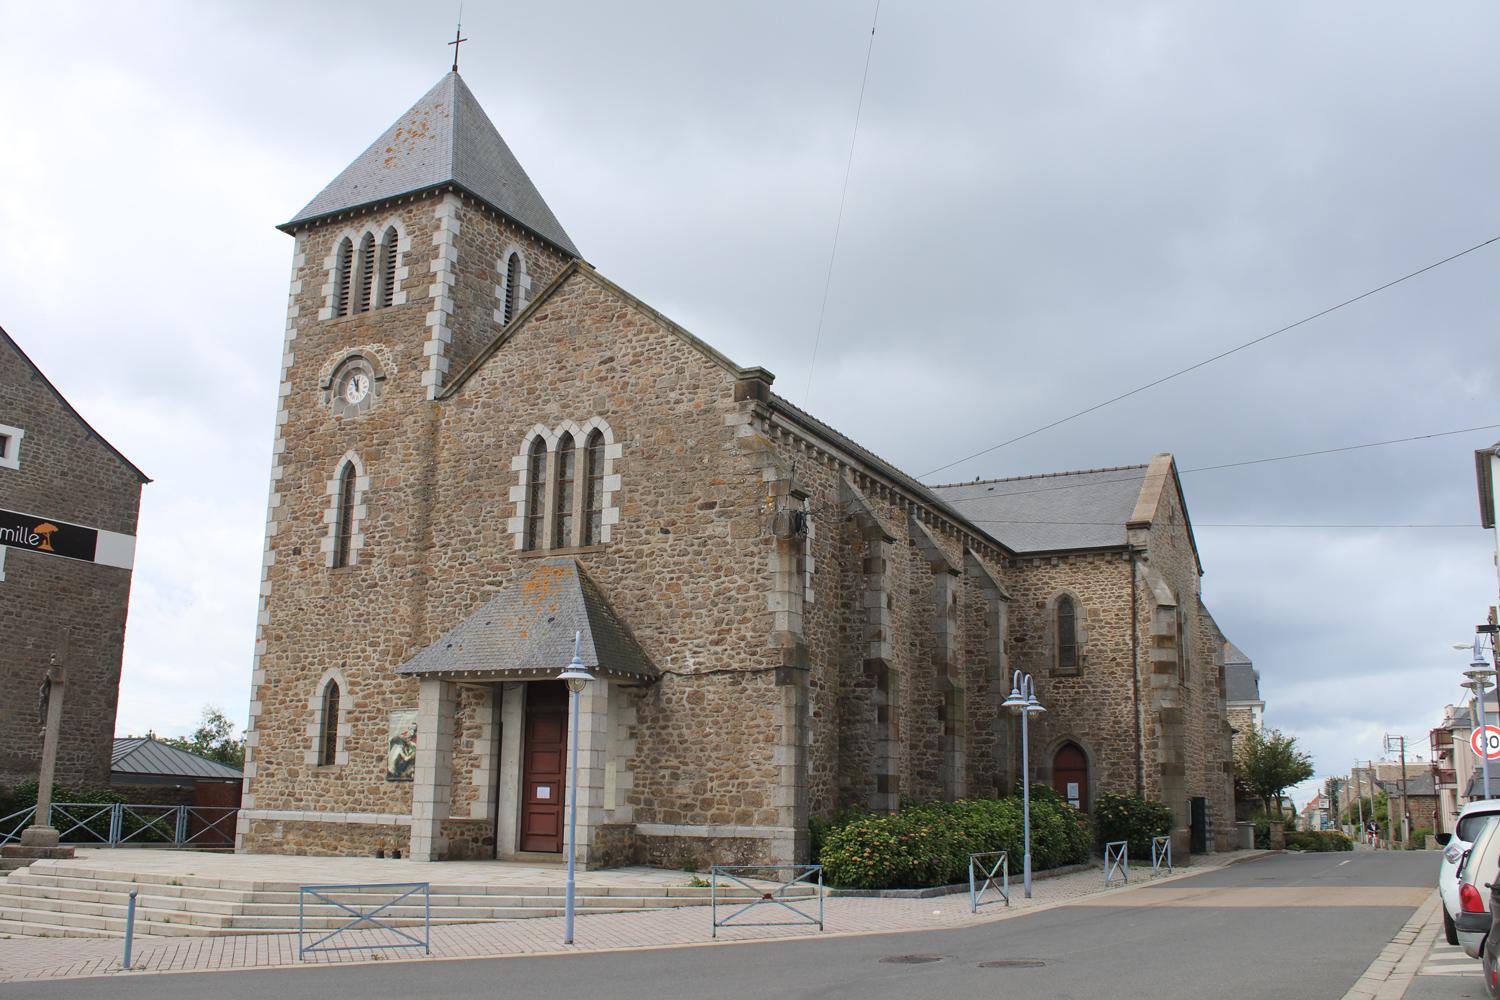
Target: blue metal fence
{"x": 115, "y": 824}
{"x": 356, "y": 901}
{"x": 1161, "y": 855}
{"x": 1116, "y": 861}
{"x": 788, "y": 893}
{"x": 984, "y": 868}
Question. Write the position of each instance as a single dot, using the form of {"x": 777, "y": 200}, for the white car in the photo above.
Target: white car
{"x": 1475, "y": 818}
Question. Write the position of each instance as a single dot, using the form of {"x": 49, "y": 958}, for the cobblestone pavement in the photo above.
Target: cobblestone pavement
{"x": 33, "y": 958}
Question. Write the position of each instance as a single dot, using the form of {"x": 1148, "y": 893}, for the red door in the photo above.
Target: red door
{"x": 543, "y": 754}
{"x": 1070, "y": 775}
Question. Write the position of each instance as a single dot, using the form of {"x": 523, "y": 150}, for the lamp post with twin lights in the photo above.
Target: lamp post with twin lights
{"x": 577, "y": 677}
{"x": 1023, "y": 702}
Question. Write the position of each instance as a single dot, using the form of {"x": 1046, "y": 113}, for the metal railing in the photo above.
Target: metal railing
{"x": 114, "y": 824}
{"x": 986, "y": 865}
{"x": 1116, "y": 861}
{"x": 803, "y": 876}
{"x": 1161, "y": 855}
{"x": 362, "y": 918}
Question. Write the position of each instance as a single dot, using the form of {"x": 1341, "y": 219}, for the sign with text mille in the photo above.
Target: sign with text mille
{"x": 40, "y": 534}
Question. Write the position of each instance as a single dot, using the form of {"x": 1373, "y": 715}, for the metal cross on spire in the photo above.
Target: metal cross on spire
{"x": 458, "y": 39}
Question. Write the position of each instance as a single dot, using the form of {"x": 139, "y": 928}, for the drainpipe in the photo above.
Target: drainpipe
{"x": 1135, "y": 682}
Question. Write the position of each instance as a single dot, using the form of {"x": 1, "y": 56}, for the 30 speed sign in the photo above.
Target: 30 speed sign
{"x": 1486, "y": 742}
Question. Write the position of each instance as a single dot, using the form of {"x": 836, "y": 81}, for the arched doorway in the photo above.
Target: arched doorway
{"x": 1070, "y": 775}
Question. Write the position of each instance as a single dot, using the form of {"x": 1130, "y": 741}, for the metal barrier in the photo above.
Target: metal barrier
{"x": 977, "y": 888}
{"x": 359, "y": 918}
{"x": 807, "y": 876}
{"x": 113, "y": 824}
{"x": 1116, "y": 861}
{"x": 1161, "y": 855}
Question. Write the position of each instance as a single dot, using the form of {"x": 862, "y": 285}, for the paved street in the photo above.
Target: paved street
{"x": 1289, "y": 926}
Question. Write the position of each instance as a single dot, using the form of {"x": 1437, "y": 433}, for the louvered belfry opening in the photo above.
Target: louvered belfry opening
{"x": 344, "y": 543}
{"x": 328, "y": 748}
{"x": 512, "y": 275}
{"x": 388, "y": 267}
{"x": 593, "y": 501}
{"x": 1067, "y": 633}
{"x": 562, "y": 498}
{"x": 536, "y": 494}
{"x": 366, "y": 273}
{"x": 343, "y": 268}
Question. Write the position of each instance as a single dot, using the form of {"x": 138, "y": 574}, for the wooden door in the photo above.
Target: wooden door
{"x": 1070, "y": 775}
{"x": 543, "y": 760}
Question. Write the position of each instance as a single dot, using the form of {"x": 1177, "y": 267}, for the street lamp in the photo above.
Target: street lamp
{"x": 576, "y": 677}
{"x": 1479, "y": 682}
{"x": 1023, "y": 702}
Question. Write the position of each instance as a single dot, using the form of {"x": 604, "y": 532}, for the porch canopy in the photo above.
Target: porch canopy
{"x": 525, "y": 633}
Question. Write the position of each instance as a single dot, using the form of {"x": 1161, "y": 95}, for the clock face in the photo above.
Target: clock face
{"x": 356, "y": 387}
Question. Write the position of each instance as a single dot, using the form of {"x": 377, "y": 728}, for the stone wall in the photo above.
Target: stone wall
{"x": 67, "y": 473}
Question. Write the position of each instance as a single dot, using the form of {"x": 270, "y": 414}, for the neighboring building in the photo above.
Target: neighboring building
{"x": 484, "y": 448}
{"x": 68, "y": 507}
{"x": 151, "y": 773}
{"x": 1247, "y": 710}
{"x": 1316, "y": 815}
{"x": 1422, "y": 803}
{"x": 1459, "y": 776}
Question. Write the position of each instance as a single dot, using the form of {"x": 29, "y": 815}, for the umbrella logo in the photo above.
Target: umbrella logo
{"x": 46, "y": 530}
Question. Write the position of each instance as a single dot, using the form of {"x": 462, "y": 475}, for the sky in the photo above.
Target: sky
{"x": 1047, "y": 205}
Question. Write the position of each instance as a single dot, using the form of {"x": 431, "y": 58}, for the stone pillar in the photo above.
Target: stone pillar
{"x": 486, "y": 752}
{"x": 512, "y": 721}
{"x": 41, "y": 832}
{"x": 593, "y": 752}
{"x": 432, "y": 794}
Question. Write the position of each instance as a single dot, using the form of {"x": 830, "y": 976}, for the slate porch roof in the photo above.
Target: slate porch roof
{"x": 445, "y": 138}
{"x": 1055, "y": 512}
{"x": 142, "y": 756}
{"x": 525, "y": 632}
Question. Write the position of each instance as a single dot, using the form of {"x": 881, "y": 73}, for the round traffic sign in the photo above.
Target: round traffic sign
{"x": 1486, "y": 742}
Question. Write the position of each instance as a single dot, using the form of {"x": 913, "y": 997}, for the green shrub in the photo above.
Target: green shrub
{"x": 1125, "y": 817}
{"x": 929, "y": 844}
{"x": 1317, "y": 840}
{"x": 819, "y": 827}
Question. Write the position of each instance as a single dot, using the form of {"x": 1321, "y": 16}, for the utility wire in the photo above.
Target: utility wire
{"x": 1217, "y": 357}
{"x": 843, "y": 195}
{"x": 1210, "y": 524}
{"x": 951, "y": 501}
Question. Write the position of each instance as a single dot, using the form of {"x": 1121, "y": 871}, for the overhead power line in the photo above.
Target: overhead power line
{"x": 838, "y": 225}
{"x": 989, "y": 495}
{"x": 1217, "y": 357}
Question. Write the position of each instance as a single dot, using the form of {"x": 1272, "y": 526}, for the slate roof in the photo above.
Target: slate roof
{"x": 528, "y": 627}
{"x": 1241, "y": 682}
{"x": 145, "y": 757}
{"x": 1055, "y": 512}
{"x": 445, "y": 138}
{"x": 1416, "y": 784}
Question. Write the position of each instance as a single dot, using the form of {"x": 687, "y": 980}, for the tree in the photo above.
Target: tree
{"x": 1269, "y": 763}
{"x": 213, "y": 739}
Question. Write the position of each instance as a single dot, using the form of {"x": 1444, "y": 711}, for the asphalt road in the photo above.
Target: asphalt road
{"x": 1290, "y": 926}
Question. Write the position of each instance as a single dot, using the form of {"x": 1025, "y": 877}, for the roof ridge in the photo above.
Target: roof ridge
{"x": 1042, "y": 475}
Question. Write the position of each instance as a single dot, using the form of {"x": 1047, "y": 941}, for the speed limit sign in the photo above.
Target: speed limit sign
{"x": 1486, "y": 742}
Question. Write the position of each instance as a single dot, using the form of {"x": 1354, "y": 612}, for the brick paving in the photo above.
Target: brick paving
{"x": 34, "y": 958}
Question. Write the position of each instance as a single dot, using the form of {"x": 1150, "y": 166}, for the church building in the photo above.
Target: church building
{"x": 485, "y": 447}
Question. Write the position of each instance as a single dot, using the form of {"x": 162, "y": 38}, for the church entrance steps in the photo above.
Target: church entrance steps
{"x": 189, "y": 894}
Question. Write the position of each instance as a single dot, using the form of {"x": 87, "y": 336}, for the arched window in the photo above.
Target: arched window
{"x": 512, "y": 288}
{"x": 328, "y": 740}
{"x": 1067, "y": 634}
{"x": 366, "y": 271}
{"x": 562, "y": 498}
{"x": 536, "y": 493}
{"x": 343, "y": 544}
{"x": 593, "y": 497}
{"x": 343, "y": 267}
{"x": 387, "y": 268}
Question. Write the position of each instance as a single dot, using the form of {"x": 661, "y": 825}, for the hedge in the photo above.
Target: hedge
{"x": 1317, "y": 840}
{"x": 1125, "y": 817}
{"x": 929, "y": 845}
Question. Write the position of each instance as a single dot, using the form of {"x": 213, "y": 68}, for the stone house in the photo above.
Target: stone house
{"x": 68, "y": 507}
{"x": 486, "y": 450}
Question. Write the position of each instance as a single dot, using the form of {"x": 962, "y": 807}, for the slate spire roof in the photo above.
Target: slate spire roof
{"x": 445, "y": 138}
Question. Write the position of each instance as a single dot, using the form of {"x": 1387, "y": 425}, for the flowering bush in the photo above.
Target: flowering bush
{"x": 1125, "y": 817}
{"x": 929, "y": 845}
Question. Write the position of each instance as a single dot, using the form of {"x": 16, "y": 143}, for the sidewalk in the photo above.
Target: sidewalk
{"x": 29, "y": 958}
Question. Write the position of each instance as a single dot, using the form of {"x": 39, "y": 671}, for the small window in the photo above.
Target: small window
{"x": 328, "y": 746}
{"x": 366, "y": 273}
{"x": 536, "y": 493}
{"x": 387, "y": 268}
{"x": 10, "y": 446}
{"x": 344, "y": 542}
{"x": 512, "y": 292}
{"x": 1067, "y": 633}
{"x": 593, "y": 498}
{"x": 562, "y": 498}
{"x": 343, "y": 269}
{"x": 1182, "y": 647}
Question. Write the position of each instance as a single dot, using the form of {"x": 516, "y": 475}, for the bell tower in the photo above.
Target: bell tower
{"x": 405, "y": 267}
